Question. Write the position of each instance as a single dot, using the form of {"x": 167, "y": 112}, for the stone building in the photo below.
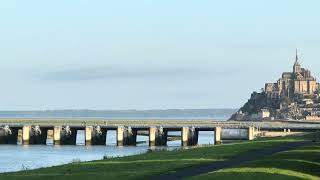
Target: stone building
{"x": 294, "y": 96}
{"x": 298, "y": 82}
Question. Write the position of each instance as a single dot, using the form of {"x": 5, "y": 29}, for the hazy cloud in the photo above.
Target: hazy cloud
{"x": 97, "y": 73}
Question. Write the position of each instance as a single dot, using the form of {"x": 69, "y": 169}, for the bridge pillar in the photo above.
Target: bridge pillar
{"x": 98, "y": 136}
{"x": 193, "y": 137}
{"x": 152, "y": 136}
{"x": 189, "y": 136}
{"x": 88, "y": 135}
{"x": 19, "y": 139}
{"x": 126, "y": 136}
{"x": 250, "y": 133}
{"x": 184, "y": 136}
{"x": 50, "y": 135}
{"x": 26, "y": 134}
{"x": 217, "y": 135}
{"x": 56, "y": 135}
{"x": 157, "y": 136}
{"x": 68, "y": 136}
{"x": 8, "y": 135}
{"x": 120, "y": 132}
{"x": 38, "y": 135}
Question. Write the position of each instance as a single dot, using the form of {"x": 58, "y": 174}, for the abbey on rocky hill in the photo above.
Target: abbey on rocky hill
{"x": 294, "y": 96}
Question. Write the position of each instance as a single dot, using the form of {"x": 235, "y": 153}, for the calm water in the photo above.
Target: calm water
{"x": 17, "y": 157}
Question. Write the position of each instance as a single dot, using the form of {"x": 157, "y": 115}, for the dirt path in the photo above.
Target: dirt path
{"x": 251, "y": 156}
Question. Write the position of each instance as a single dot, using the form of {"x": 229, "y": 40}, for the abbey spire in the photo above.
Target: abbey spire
{"x": 297, "y": 56}
{"x": 296, "y": 66}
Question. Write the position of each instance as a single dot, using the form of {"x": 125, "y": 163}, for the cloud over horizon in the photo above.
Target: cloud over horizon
{"x": 115, "y": 72}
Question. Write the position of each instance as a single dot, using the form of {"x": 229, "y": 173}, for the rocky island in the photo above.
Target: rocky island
{"x": 295, "y": 96}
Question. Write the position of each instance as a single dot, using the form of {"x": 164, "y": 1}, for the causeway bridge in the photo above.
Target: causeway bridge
{"x": 64, "y": 132}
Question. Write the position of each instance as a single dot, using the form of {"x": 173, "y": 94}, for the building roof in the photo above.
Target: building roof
{"x": 287, "y": 75}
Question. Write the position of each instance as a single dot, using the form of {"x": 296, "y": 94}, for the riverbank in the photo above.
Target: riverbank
{"x": 153, "y": 164}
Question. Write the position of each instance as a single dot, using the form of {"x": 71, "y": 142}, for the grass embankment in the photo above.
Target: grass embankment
{"x": 148, "y": 165}
{"x": 299, "y": 163}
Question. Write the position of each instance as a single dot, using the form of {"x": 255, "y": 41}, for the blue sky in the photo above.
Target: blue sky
{"x": 148, "y": 54}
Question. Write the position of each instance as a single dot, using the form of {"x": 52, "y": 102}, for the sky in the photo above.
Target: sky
{"x": 147, "y": 54}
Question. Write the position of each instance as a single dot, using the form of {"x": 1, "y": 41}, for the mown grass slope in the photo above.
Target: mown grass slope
{"x": 300, "y": 163}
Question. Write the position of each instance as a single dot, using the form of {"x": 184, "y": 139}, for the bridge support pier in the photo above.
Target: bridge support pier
{"x": 217, "y": 135}
{"x": 50, "y": 135}
{"x": 98, "y": 136}
{"x": 184, "y": 136}
{"x": 68, "y": 136}
{"x": 189, "y": 136}
{"x": 157, "y": 136}
{"x": 8, "y": 135}
{"x": 88, "y": 135}
{"x": 95, "y": 135}
{"x": 38, "y": 135}
{"x": 250, "y": 133}
{"x": 126, "y": 136}
{"x": 120, "y": 132}
{"x": 56, "y": 135}
{"x": 26, "y": 135}
{"x": 19, "y": 139}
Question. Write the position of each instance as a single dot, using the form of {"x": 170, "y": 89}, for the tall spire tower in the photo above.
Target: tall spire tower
{"x": 296, "y": 55}
{"x": 296, "y": 66}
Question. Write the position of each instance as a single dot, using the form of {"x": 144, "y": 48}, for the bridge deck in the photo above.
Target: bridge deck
{"x": 200, "y": 124}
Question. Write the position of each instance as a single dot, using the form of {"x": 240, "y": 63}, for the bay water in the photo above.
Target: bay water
{"x": 25, "y": 157}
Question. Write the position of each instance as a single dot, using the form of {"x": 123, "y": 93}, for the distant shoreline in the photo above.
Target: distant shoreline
{"x": 120, "y": 118}
{"x": 122, "y": 114}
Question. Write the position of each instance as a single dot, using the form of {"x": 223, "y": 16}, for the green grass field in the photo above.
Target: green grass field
{"x": 152, "y": 164}
{"x": 301, "y": 163}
